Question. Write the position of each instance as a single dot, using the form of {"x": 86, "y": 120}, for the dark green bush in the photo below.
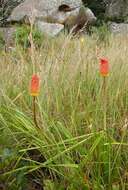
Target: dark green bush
{"x": 2, "y": 42}
{"x": 97, "y": 6}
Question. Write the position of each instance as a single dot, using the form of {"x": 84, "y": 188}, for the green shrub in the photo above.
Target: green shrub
{"x": 2, "y": 42}
{"x": 22, "y": 36}
{"x": 102, "y": 33}
{"x": 98, "y": 7}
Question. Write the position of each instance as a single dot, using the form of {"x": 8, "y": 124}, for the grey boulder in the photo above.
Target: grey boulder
{"x": 45, "y": 10}
{"x": 50, "y": 29}
{"x": 70, "y": 13}
{"x": 118, "y": 28}
{"x": 8, "y": 36}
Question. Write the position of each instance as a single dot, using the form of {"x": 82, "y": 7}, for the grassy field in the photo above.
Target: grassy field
{"x": 71, "y": 150}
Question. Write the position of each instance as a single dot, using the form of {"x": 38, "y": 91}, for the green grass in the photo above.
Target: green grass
{"x": 71, "y": 150}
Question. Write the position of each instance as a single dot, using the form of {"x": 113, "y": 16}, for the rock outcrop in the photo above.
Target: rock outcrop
{"x": 70, "y": 13}
{"x": 51, "y": 29}
{"x": 7, "y": 34}
{"x": 118, "y": 28}
{"x": 45, "y": 10}
{"x": 49, "y": 16}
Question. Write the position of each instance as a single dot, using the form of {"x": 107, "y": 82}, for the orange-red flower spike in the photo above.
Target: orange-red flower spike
{"x": 104, "y": 67}
{"x": 35, "y": 85}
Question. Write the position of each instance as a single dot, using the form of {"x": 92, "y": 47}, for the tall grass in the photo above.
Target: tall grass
{"x": 71, "y": 150}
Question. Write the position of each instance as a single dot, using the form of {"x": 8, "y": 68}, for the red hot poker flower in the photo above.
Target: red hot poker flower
{"x": 104, "y": 67}
{"x": 35, "y": 85}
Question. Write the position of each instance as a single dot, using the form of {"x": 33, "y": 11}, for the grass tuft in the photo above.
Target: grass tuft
{"x": 71, "y": 150}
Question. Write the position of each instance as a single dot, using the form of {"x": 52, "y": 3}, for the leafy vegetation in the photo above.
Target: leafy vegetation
{"x": 98, "y": 7}
{"x": 22, "y": 36}
{"x": 71, "y": 150}
{"x": 2, "y": 42}
{"x": 102, "y": 32}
